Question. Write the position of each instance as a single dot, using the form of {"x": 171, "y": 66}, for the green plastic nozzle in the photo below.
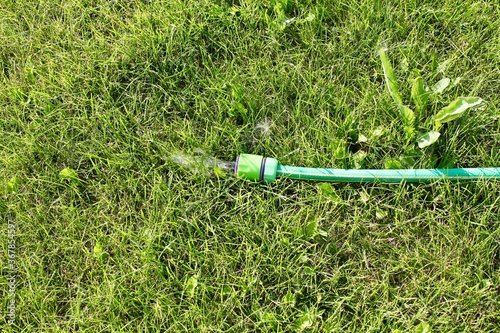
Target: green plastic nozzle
{"x": 256, "y": 167}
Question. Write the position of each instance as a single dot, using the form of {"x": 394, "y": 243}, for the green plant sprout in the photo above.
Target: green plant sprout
{"x": 420, "y": 94}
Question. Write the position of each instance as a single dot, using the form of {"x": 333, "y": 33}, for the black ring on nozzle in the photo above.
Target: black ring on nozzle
{"x": 236, "y": 165}
{"x": 262, "y": 168}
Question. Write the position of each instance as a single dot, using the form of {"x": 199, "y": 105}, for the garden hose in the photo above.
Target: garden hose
{"x": 259, "y": 168}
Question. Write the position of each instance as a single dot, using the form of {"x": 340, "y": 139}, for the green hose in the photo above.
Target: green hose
{"x": 255, "y": 167}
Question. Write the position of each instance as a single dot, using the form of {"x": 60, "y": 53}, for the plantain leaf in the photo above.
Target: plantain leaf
{"x": 423, "y": 328}
{"x": 12, "y": 185}
{"x": 419, "y": 94}
{"x": 289, "y": 299}
{"x": 270, "y": 319}
{"x": 311, "y": 230}
{"x": 456, "y": 109}
{"x": 428, "y": 139}
{"x": 329, "y": 192}
{"x": 303, "y": 322}
{"x": 390, "y": 78}
{"x": 441, "y": 85}
{"x": 191, "y": 285}
{"x": 98, "y": 250}
{"x": 70, "y": 174}
{"x": 409, "y": 131}
{"x": 393, "y": 164}
{"x": 407, "y": 115}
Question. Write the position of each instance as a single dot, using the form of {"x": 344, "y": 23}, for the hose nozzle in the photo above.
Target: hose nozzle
{"x": 256, "y": 167}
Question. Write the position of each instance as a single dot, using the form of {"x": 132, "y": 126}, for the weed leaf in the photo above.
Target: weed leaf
{"x": 393, "y": 164}
{"x": 338, "y": 147}
{"x": 359, "y": 159}
{"x": 409, "y": 131}
{"x": 12, "y": 185}
{"x": 380, "y": 214}
{"x": 377, "y": 132}
{"x": 303, "y": 322}
{"x": 418, "y": 94}
{"x": 97, "y": 250}
{"x": 428, "y": 139}
{"x": 407, "y": 115}
{"x": 237, "y": 92}
{"x": 289, "y": 299}
{"x": 68, "y": 173}
{"x": 310, "y": 17}
{"x": 390, "y": 78}
{"x": 191, "y": 285}
{"x": 456, "y": 109}
{"x": 326, "y": 189}
{"x": 441, "y": 85}
{"x": 423, "y": 328}
{"x": 270, "y": 319}
{"x": 329, "y": 192}
{"x": 311, "y": 229}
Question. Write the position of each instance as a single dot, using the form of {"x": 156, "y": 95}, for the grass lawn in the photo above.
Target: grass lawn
{"x": 103, "y": 230}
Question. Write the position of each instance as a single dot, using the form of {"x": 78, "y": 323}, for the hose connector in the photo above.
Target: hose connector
{"x": 256, "y": 167}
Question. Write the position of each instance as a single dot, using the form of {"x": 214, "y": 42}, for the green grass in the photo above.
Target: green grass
{"x": 113, "y": 89}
